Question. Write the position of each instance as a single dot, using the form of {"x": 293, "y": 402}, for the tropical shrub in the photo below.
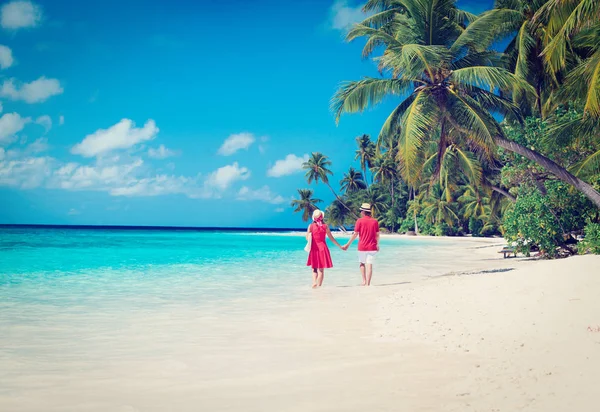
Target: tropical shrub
{"x": 408, "y": 224}
{"x": 591, "y": 243}
{"x": 475, "y": 226}
{"x": 531, "y": 221}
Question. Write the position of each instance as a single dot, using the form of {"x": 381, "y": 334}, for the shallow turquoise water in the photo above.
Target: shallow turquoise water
{"x": 136, "y": 269}
{"x": 86, "y": 313}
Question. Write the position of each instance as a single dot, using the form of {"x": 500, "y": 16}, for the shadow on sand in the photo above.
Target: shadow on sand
{"x": 383, "y": 284}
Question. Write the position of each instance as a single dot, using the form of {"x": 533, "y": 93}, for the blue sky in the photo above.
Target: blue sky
{"x": 185, "y": 113}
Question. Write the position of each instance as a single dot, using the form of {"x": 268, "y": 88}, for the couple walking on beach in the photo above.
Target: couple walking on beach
{"x": 319, "y": 258}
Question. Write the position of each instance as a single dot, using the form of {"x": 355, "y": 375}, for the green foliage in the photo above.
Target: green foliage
{"x": 531, "y": 221}
{"x": 475, "y": 226}
{"x": 408, "y": 224}
{"x": 437, "y": 157}
{"x": 305, "y": 204}
{"x": 591, "y": 242}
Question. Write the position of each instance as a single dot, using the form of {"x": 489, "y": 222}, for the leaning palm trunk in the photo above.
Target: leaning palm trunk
{"x": 341, "y": 201}
{"x": 557, "y": 170}
{"x": 504, "y": 193}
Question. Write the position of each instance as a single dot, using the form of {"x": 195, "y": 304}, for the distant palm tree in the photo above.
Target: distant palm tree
{"x": 352, "y": 181}
{"x": 365, "y": 153}
{"x": 317, "y": 169}
{"x": 376, "y": 198}
{"x": 385, "y": 171}
{"x": 305, "y": 204}
{"x": 475, "y": 203}
{"x": 337, "y": 215}
{"x": 436, "y": 207}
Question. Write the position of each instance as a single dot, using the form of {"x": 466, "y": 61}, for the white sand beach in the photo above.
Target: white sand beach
{"x": 496, "y": 335}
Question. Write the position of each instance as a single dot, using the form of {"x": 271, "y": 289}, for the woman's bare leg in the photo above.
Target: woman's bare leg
{"x": 314, "y": 274}
{"x": 320, "y": 277}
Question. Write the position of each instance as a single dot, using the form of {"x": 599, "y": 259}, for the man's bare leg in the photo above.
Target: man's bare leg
{"x": 362, "y": 273}
{"x": 369, "y": 273}
{"x": 314, "y": 285}
{"x": 320, "y": 277}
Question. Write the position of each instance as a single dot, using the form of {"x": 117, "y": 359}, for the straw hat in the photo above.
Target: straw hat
{"x": 365, "y": 207}
{"x": 318, "y": 213}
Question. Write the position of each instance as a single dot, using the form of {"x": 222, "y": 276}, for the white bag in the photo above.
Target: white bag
{"x": 308, "y": 245}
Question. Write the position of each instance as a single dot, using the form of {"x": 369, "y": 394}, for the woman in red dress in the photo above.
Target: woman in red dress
{"x": 319, "y": 258}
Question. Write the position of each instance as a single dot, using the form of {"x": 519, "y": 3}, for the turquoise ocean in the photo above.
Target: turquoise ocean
{"x": 112, "y": 316}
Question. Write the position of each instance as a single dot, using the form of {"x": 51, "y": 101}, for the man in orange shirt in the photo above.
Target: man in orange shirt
{"x": 367, "y": 229}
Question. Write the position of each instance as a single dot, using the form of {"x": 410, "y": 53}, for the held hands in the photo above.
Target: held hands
{"x": 345, "y": 247}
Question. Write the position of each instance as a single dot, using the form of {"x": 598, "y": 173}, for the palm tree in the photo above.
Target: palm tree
{"x": 317, "y": 169}
{"x": 365, "y": 153}
{"x": 385, "y": 171}
{"x": 436, "y": 207}
{"x": 573, "y": 26}
{"x": 573, "y": 33}
{"x": 352, "y": 181}
{"x": 377, "y": 200}
{"x": 514, "y": 18}
{"x": 337, "y": 215}
{"x": 447, "y": 87}
{"x": 475, "y": 203}
{"x": 305, "y": 204}
{"x": 454, "y": 166}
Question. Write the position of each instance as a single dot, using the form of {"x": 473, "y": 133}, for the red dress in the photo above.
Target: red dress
{"x": 319, "y": 257}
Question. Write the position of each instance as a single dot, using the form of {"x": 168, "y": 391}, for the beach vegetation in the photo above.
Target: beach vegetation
{"x": 481, "y": 140}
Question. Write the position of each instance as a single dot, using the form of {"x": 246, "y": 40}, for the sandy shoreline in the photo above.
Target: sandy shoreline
{"x": 492, "y": 334}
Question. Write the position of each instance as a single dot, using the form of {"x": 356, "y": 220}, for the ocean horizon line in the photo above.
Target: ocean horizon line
{"x": 149, "y": 228}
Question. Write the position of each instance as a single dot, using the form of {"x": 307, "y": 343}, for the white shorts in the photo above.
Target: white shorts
{"x": 366, "y": 257}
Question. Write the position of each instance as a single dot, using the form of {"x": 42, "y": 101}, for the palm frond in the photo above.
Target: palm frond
{"x": 489, "y": 26}
{"x": 491, "y": 78}
{"x": 376, "y": 38}
{"x": 392, "y": 123}
{"x": 356, "y": 96}
{"x": 589, "y": 166}
{"x": 420, "y": 118}
{"x": 476, "y": 123}
{"x": 566, "y": 18}
{"x": 411, "y": 60}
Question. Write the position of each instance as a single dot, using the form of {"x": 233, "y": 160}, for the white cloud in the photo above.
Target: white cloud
{"x": 122, "y": 135}
{"x": 25, "y": 173}
{"x": 160, "y": 185}
{"x": 289, "y": 165}
{"x": 45, "y": 121}
{"x": 11, "y": 124}
{"x": 279, "y": 210}
{"x": 73, "y": 212}
{"x": 36, "y": 91}
{"x": 38, "y": 146}
{"x": 225, "y": 176}
{"x": 20, "y": 14}
{"x": 161, "y": 152}
{"x": 343, "y": 16}
{"x": 6, "y": 57}
{"x": 118, "y": 176}
{"x": 99, "y": 176}
{"x": 61, "y": 120}
{"x": 236, "y": 142}
{"x": 263, "y": 194}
